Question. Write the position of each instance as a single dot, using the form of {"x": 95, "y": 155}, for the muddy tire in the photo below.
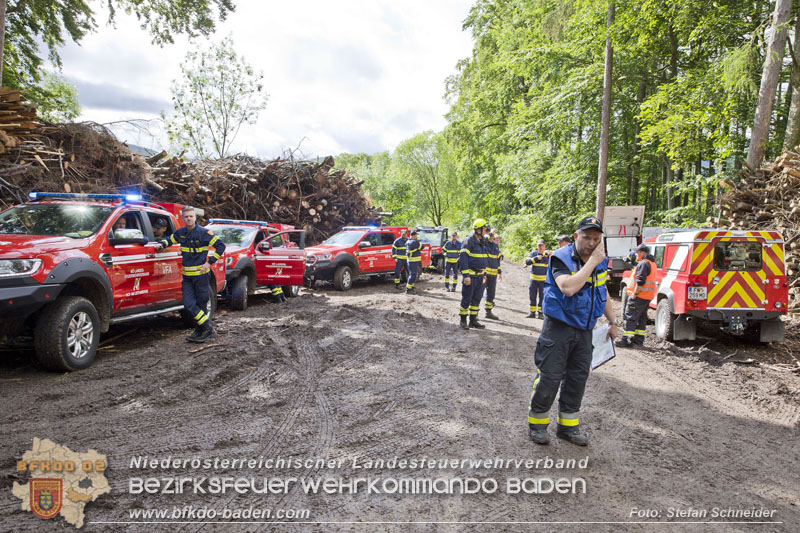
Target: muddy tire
{"x": 343, "y": 279}
{"x": 211, "y": 307}
{"x": 665, "y": 321}
{"x": 67, "y": 334}
{"x": 624, "y": 302}
{"x": 291, "y": 291}
{"x": 239, "y": 293}
{"x": 439, "y": 265}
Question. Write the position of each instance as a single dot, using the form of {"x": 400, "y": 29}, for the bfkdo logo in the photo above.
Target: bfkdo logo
{"x": 62, "y": 482}
{"x": 46, "y": 497}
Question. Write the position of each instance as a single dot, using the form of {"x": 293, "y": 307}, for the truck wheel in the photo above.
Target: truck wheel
{"x": 291, "y": 290}
{"x": 343, "y": 279}
{"x": 440, "y": 265}
{"x": 67, "y": 334}
{"x": 239, "y": 293}
{"x": 665, "y": 321}
{"x": 211, "y": 306}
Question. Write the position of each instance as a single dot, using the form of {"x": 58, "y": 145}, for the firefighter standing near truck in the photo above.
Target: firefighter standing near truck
{"x": 575, "y": 296}
{"x": 414, "y": 260}
{"x": 493, "y": 272}
{"x": 399, "y": 256}
{"x": 538, "y": 261}
{"x": 563, "y": 241}
{"x": 472, "y": 263}
{"x": 451, "y": 249}
{"x": 195, "y": 241}
{"x": 639, "y": 297}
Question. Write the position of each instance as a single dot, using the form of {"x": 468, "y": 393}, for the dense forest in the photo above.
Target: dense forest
{"x": 521, "y": 147}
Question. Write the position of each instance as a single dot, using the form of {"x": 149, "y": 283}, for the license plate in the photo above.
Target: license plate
{"x": 697, "y": 293}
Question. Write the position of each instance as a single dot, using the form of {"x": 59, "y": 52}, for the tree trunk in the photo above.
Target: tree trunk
{"x": 670, "y": 183}
{"x": 769, "y": 82}
{"x": 2, "y": 36}
{"x": 634, "y": 193}
{"x": 792, "y": 137}
{"x": 602, "y": 166}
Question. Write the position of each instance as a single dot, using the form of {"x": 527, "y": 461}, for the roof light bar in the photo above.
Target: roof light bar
{"x": 83, "y": 196}
{"x": 359, "y": 227}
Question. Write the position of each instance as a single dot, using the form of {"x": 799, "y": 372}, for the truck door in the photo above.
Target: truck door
{"x": 369, "y": 258}
{"x": 280, "y": 259}
{"x": 166, "y": 281}
{"x": 387, "y": 241}
{"x": 132, "y": 265}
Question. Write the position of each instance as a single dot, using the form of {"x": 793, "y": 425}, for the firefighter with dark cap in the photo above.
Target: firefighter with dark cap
{"x": 414, "y": 260}
{"x": 451, "y": 249}
{"x": 399, "y": 256}
{"x": 538, "y": 261}
{"x": 563, "y": 241}
{"x": 472, "y": 263}
{"x": 159, "y": 228}
{"x": 575, "y": 297}
{"x": 493, "y": 271}
{"x": 640, "y": 293}
{"x": 195, "y": 241}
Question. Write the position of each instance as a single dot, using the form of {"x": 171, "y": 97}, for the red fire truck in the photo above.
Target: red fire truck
{"x": 259, "y": 254}
{"x": 733, "y": 279}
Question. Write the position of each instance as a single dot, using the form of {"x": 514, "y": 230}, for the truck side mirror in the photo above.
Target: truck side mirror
{"x": 127, "y": 236}
{"x": 264, "y": 246}
{"x": 363, "y": 244}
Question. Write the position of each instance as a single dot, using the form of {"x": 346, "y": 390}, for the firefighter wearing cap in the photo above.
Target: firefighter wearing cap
{"x": 493, "y": 271}
{"x": 159, "y": 228}
{"x": 640, "y": 294}
{"x": 472, "y": 263}
{"x": 195, "y": 241}
{"x": 399, "y": 256}
{"x": 575, "y": 296}
{"x": 451, "y": 249}
{"x": 414, "y": 260}
{"x": 538, "y": 261}
{"x": 563, "y": 241}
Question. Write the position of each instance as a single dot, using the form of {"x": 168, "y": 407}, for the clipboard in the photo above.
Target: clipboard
{"x": 603, "y": 348}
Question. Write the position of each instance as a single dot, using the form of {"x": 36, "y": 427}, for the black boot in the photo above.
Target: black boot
{"x": 411, "y": 291}
{"x": 447, "y": 287}
{"x": 623, "y": 342}
{"x": 491, "y": 315}
{"x": 463, "y": 323}
{"x": 194, "y": 334}
{"x": 398, "y": 287}
{"x": 539, "y": 434}
{"x": 532, "y": 314}
{"x": 473, "y": 322}
{"x": 573, "y": 435}
{"x": 206, "y": 333}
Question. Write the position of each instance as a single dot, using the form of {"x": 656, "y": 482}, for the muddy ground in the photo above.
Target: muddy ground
{"x": 373, "y": 374}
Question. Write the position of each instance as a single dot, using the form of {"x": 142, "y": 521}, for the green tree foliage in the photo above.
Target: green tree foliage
{"x": 525, "y": 108}
{"x": 52, "y": 22}
{"x": 217, "y": 93}
{"x": 56, "y": 99}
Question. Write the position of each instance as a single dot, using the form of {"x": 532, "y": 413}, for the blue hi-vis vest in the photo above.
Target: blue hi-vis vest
{"x": 451, "y": 251}
{"x": 413, "y": 251}
{"x": 582, "y": 309}
{"x": 473, "y": 259}
{"x": 399, "y": 249}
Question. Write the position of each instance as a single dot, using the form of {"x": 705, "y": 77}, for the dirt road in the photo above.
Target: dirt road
{"x": 372, "y": 375}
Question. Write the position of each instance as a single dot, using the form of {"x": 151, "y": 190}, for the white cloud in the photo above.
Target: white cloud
{"x": 354, "y": 76}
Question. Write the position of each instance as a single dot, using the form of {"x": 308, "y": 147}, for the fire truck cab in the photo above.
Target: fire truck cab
{"x": 733, "y": 279}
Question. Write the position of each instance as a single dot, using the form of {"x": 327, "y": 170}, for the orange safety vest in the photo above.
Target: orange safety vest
{"x": 648, "y": 290}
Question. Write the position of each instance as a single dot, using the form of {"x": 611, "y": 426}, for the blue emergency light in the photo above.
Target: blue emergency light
{"x": 360, "y": 227}
{"x": 83, "y": 196}
{"x": 228, "y": 221}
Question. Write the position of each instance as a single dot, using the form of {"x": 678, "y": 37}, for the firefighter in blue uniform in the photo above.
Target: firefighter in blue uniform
{"x": 414, "y": 260}
{"x": 399, "y": 256}
{"x": 575, "y": 296}
{"x": 195, "y": 241}
{"x": 493, "y": 272}
{"x": 538, "y": 261}
{"x": 451, "y": 249}
{"x": 277, "y": 293}
{"x": 472, "y": 263}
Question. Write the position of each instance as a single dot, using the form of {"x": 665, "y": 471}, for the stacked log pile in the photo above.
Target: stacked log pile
{"x": 87, "y": 158}
{"x": 767, "y": 199}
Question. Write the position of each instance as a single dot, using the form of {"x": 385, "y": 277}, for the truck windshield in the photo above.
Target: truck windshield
{"x": 737, "y": 255}
{"x": 65, "y": 220}
{"x": 233, "y": 236}
{"x": 344, "y": 238}
{"x": 434, "y": 238}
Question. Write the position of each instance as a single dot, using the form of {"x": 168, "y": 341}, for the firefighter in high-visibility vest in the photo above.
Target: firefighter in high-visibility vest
{"x": 472, "y": 263}
{"x": 414, "y": 260}
{"x": 451, "y": 250}
{"x": 399, "y": 256}
{"x": 640, "y": 294}
{"x": 493, "y": 272}
{"x": 538, "y": 261}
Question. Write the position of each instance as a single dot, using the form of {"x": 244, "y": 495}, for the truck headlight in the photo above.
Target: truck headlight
{"x": 324, "y": 257}
{"x": 228, "y": 261}
{"x": 19, "y": 267}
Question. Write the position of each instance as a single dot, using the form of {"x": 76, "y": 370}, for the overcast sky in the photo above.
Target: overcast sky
{"x": 342, "y": 76}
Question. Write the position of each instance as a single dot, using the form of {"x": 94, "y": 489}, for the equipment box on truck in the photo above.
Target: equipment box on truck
{"x": 733, "y": 279}
{"x": 622, "y": 228}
